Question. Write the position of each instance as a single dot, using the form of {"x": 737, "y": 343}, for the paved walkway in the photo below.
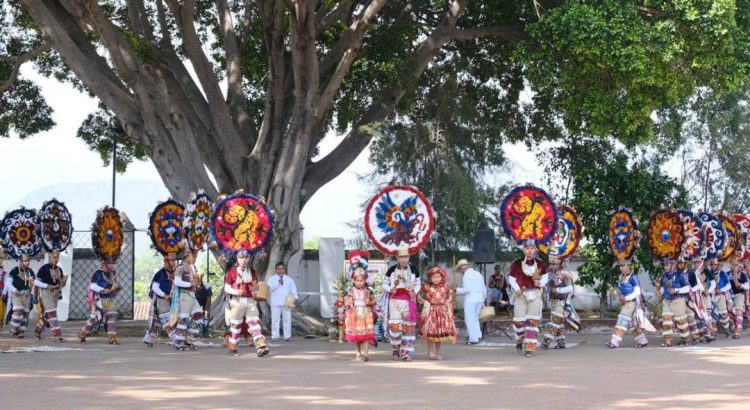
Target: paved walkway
{"x": 320, "y": 374}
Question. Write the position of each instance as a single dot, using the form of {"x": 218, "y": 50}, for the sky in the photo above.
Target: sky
{"x": 58, "y": 156}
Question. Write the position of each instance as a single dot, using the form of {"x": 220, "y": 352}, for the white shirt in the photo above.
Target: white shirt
{"x": 473, "y": 286}
{"x": 181, "y": 270}
{"x": 7, "y": 283}
{"x": 279, "y": 291}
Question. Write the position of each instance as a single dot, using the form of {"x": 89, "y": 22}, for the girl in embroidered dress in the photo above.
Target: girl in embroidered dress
{"x": 438, "y": 324}
{"x": 359, "y": 305}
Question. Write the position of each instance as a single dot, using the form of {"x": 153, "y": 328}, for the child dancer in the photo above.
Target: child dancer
{"x": 359, "y": 304}
{"x": 438, "y": 324}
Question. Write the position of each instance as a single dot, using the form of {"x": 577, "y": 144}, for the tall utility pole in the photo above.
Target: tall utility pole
{"x": 114, "y": 166}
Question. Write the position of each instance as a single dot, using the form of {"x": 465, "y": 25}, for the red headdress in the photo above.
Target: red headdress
{"x": 357, "y": 260}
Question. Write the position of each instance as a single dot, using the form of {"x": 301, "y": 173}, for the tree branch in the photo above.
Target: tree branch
{"x": 354, "y": 36}
{"x": 653, "y": 13}
{"x": 166, "y": 35}
{"x": 139, "y": 19}
{"x": 511, "y": 34}
{"x": 59, "y": 27}
{"x": 277, "y": 94}
{"x": 325, "y": 20}
{"x": 18, "y": 61}
{"x": 231, "y": 143}
{"x": 235, "y": 94}
{"x": 321, "y": 172}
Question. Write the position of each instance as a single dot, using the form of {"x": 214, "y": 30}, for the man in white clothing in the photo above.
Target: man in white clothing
{"x": 474, "y": 293}
{"x": 281, "y": 287}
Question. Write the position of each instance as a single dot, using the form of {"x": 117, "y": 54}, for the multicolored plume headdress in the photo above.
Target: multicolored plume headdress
{"x": 358, "y": 263}
{"x": 693, "y": 231}
{"x": 399, "y": 216}
{"x": 20, "y": 233}
{"x": 165, "y": 227}
{"x": 528, "y": 213}
{"x": 56, "y": 225}
{"x": 241, "y": 222}
{"x": 714, "y": 237}
{"x": 665, "y": 234}
{"x": 107, "y": 234}
{"x": 566, "y": 238}
{"x": 733, "y": 237}
{"x": 623, "y": 235}
{"x": 198, "y": 213}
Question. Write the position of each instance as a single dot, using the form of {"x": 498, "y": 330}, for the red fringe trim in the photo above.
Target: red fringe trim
{"x": 370, "y": 337}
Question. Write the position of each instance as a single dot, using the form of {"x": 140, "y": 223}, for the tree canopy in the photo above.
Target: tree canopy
{"x": 605, "y": 177}
{"x": 709, "y": 137}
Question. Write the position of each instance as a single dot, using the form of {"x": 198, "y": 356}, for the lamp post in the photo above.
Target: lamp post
{"x": 114, "y": 165}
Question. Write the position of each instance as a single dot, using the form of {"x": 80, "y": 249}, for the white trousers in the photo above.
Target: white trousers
{"x": 278, "y": 313}
{"x": 471, "y": 318}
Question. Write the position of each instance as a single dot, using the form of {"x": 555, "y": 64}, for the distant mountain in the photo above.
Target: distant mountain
{"x": 136, "y": 198}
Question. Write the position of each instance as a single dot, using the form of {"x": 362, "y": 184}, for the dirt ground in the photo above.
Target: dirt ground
{"x": 318, "y": 373}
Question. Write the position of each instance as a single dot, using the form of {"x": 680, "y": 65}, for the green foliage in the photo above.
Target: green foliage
{"x": 609, "y": 179}
{"x": 589, "y": 67}
{"x": 597, "y": 176}
{"x": 23, "y": 111}
{"x": 604, "y": 66}
{"x": 141, "y": 288}
{"x": 311, "y": 244}
{"x": 144, "y": 49}
{"x": 710, "y": 135}
{"x": 98, "y": 131}
{"x": 146, "y": 265}
{"x": 448, "y": 165}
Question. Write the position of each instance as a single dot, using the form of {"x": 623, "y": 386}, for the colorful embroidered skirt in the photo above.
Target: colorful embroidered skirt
{"x": 438, "y": 324}
{"x": 359, "y": 325}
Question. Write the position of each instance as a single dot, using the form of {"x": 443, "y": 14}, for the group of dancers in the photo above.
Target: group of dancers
{"x": 22, "y": 290}
{"x": 697, "y": 301}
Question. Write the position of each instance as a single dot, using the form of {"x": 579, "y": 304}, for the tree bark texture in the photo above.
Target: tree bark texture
{"x": 196, "y": 123}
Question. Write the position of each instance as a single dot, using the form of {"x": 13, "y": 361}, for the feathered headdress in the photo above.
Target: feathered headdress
{"x": 358, "y": 263}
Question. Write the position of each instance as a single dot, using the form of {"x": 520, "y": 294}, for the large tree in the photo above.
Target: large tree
{"x": 598, "y": 176}
{"x": 246, "y": 90}
{"x": 709, "y": 137}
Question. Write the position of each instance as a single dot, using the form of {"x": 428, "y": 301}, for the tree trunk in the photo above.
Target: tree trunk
{"x": 190, "y": 126}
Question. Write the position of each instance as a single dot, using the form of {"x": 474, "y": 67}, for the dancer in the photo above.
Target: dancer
{"x": 699, "y": 319}
{"x": 160, "y": 293}
{"x": 19, "y": 289}
{"x": 438, "y": 324}
{"x": 401, "y": 286}
{"x": 561, "y": 288}
{"x": 103, "y": 288}
{"x": 240, "y": 286}
{"x": 740, "y": 284}
{"x": 674, "y": 288}
{"x": 189, "y": 311}
{"x": 632, "y": 312}
{"x": 49, "y": 283}
{"x": 724, "y": 301}
{"x": 528, "y": 276}
{"x": 359, "y": 322}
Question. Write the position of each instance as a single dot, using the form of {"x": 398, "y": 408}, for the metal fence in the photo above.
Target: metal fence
{"x": 85, "y": 264}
